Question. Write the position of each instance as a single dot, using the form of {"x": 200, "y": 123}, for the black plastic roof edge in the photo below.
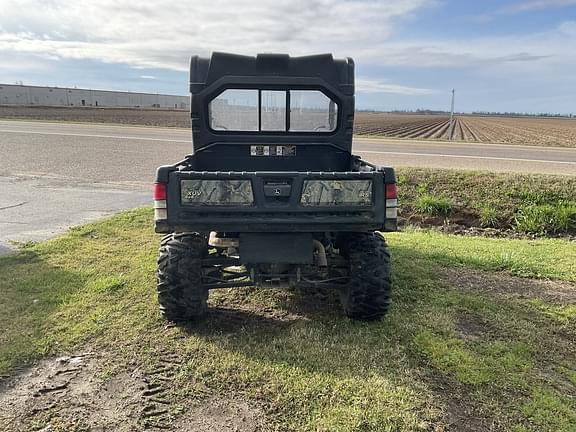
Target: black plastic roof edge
{"x": 338, "y": 73}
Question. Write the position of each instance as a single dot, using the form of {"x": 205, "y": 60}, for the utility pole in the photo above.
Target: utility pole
{"x": 451, "y": 127}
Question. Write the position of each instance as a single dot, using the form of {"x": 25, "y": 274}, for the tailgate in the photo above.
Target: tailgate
{"x": 274, "y": 201}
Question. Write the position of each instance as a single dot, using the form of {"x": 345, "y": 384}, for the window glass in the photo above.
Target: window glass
{"x": 273, "y": 110}
{"x": 235, "y": 110}
{"x": 312, "y": 111}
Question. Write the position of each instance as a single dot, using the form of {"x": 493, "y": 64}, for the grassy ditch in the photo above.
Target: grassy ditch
{"x": 468, "y": 345}
{"x": 521, "y": 203}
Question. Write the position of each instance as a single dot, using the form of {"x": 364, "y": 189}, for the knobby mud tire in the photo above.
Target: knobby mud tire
{"x": 367, "y": 296}
{"x": 181, "y": 294}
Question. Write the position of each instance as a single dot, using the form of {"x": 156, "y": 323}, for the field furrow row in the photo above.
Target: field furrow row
{"x": 560, "y": 132}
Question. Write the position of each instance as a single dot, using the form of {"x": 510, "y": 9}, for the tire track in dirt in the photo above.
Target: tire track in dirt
{"x": 79, "y": 392}
{"x": 155, "y": 413}
{"x": 67, "y": 391}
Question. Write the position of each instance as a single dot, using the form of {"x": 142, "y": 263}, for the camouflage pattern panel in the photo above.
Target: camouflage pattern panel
{"x": 217, "y": 192}
{"x": 337, "y": 192}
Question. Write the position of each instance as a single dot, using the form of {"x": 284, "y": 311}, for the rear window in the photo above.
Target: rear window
{"x": 235, "y": 110}
{"x": 252, "y": 110}
{"x": 311, "y": 111}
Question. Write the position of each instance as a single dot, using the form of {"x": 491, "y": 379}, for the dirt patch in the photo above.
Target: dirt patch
{"x": 472, "y": 327}
{"x": 233, "y": 320}
{"x": 221, "y": 415}
{"x": 73, "y": 393}
{"x": 233, "y": 307}
{"x": 460, "y": 411}
{"x": 66, "y": 394}
{"x": 460, "y": 218}
{"x": 504, "y": 285}
{"x": 471, "y": 227}
{"x": 503, "y": 233}
{"x": 463, "y": 416}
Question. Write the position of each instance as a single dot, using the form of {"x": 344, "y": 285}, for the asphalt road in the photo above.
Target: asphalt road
{"x": 53, "y": 175}
{"x": 34, "y": 208}
{"x": 130, "y": 155}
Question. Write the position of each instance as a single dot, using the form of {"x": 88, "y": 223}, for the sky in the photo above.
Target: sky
{"x": 507, "y": 55}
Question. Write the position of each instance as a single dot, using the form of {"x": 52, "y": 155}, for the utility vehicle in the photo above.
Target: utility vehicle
{"x": 271, "y": 195}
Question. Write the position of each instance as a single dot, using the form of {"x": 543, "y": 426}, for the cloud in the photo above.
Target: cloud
{"x": 534, "y": 5}
{"x": 375, "y": 86}
{"x": 15, "y": 63}
{"x": 148, "y": 77}
{"x": 517, "y": 8}
{"x": 41, "y": 40}
{"x": 523, "y": 52}
{"x": 473, "y": 54}
{"x": 163, "y": 33}
{"x": 568, "y": 28}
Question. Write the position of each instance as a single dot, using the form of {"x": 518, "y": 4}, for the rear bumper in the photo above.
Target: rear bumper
{"x": 275, "y": 226}
{"x": 275, "y": 214}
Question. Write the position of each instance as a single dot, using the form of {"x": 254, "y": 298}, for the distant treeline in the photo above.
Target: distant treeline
{"x": 479, "y": 113}
{"x": 418, "y": 111}
{"x": 516, "y": 114}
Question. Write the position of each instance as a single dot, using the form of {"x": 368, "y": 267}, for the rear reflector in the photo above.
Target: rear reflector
{"x": 160, "y": 211}
{"x": 159, "y": 191}
{"x": 160, "y": 214}
{"x": 391, "y": 191}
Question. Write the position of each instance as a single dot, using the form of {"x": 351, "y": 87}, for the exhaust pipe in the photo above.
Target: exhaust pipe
{"x": 319, "y": 248}
{"x": 220, "y": 242}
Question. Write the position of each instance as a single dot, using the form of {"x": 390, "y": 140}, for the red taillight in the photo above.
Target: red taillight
{"x": 159, "y": 191}
{"x": 391, "y": 191}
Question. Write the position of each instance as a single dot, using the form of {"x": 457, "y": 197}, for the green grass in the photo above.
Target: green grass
{"x": 550, "y": 412}
{"x": 432, "y": 206}
{"x": 547, "y": 218}
{"x": 542, "y": 258}
{"x": 535, "y": 203}
{"x": 441, "y": 353}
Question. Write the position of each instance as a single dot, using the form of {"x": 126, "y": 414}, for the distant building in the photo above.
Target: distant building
{"x": 24, "y": 95}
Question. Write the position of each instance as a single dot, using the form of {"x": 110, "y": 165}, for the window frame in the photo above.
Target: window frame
{"x": 287, "y": 132}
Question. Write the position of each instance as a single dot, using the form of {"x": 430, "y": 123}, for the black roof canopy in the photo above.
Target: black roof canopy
{"x": 335, "y": 73}
{"x": 231, "y": 150}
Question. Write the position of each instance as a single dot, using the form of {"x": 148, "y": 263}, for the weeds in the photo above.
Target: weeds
{"x": 522, "y": 202}
{"x": 489, "y": 216}
{"x": 433, "y": 206}
{"x": 546, "y": 218}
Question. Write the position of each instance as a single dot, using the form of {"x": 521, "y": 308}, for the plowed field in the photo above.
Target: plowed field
{"x": 559, "y": 132}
